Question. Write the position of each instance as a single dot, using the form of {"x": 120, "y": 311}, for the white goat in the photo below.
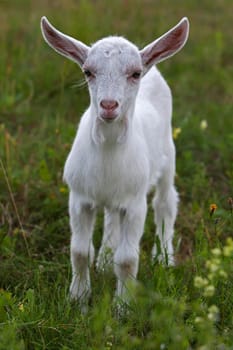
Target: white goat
{"x": 122, "y": 149}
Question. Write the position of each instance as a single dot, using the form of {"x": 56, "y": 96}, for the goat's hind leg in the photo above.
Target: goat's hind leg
{"x": 110, "y": 239}
{"x": 82, "y": 218}
{"x": 165, "y": 211}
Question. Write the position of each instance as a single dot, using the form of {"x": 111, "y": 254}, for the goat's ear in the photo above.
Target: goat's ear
{"x": 165, "y": 46}
{"x": 64, "y": 44}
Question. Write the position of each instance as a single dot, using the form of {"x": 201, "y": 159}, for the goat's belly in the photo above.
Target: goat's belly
{"x": 111, "y": 193}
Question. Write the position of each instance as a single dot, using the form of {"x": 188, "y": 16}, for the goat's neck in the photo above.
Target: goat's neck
{"x": 115, "y": 132}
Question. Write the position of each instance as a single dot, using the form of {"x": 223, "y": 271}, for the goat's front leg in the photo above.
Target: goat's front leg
{"x": 126, "y": 258}
{"x": 110, "y": 239}
{"x": 82, "y": 218}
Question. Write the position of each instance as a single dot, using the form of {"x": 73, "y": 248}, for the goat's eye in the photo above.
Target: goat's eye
{"x": 136, "y": 75}
{"x": 88, "y": 73}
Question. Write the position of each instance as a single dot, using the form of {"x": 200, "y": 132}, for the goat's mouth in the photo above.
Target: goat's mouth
{"x": 108, "y": 117}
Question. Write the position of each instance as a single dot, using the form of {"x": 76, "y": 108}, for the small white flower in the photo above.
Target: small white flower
{"x": 228, "y": 250}
{"x": 213, "y": 313}
{"x": 198, "y": 319}
{"x": 214, "y": 309}
{"x": 162, "y": 346}
{"x": 229, "y": 241}
{"x": 200, "y": 282}
{"x": 213, "y": 266}
{"x": 216, "y": 252}
{"x": 223, "y": 274}
{"x": 209, "y": 291}
{"x": 203, "y": 125}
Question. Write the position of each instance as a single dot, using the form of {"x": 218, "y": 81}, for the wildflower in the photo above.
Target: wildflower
{"x": 198, "y": 319}
{"x": 214, "y": 309}
{"x": 212, "y": 209}
{"x": 211, "y": 317}
{"x": 109, "y": 345}
{"x": 203, "y": 347}
{"x": 203, "y": 125}
{"x": 162, "y": 346}
{"x": 209, "y": 291}
{"x": 63, "y": 189}
{"x": 21, "y": 307}
{"x": 213, "y": 312}
{"x": 176, "y": 133}
{"x": 229, "y": 241}
{"x": 216, "y": 251}
{"x": 223, "y": 274}
{"x": 213, "y": 265}
{"x": 200, "y": 282}
{"x": 227, "y": 250}
{"x": 216, "y": 261}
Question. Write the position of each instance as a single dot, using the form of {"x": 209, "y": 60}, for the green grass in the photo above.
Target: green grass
{"x": 40, "y": 106}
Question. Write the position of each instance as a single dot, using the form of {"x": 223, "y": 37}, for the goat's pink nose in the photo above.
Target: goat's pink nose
{"x": 109, "y": 105}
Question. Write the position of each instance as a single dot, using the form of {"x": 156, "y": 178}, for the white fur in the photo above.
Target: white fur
{"x": 114, "y": 164}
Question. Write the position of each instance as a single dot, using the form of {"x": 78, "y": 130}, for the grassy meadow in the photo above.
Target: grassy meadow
{"x": 189, "y": 306}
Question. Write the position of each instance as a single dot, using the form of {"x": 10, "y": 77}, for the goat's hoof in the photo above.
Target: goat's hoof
{"x": 82, "y": 303}
{"x": 79, "y": 295}
{"x": 121, "y": 307}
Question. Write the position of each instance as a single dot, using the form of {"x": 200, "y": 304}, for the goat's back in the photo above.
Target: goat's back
{"x": 155, "y": 91}
{"x": 153, "y": 117}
